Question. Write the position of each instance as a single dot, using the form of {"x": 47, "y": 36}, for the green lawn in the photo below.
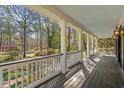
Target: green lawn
{"x": 30, "y": 55}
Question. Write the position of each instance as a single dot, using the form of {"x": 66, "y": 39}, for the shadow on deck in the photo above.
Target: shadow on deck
{"x": 94, "y": 73}
{"x": 107, "y": 74}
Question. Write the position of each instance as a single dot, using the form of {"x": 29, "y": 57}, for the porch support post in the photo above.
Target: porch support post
{"x": 92, "y": 44}
{"x": 96, "y": 46}
{"x": 80, "y": 44}
{"x": 122, "y": 49}
{"x": 88, "y": 46}
{"x": 63, "y": 47}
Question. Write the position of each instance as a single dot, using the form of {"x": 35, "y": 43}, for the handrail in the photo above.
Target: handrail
{"x": 29, "y": 59}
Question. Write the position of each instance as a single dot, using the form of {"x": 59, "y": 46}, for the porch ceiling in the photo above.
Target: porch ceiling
{"x": 99, "y": 20}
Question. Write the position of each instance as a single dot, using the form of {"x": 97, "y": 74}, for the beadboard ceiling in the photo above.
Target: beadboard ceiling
{"x": 98, "y": 19}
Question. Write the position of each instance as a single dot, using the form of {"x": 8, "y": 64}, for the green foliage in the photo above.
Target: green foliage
{"x": 12, "y": 75}
{"x": 18, "y": 83}
{"x": 4, "y": 58}
{"x": 38, "y": 54}
{"x": 51, "y": 52}
{"x": 55, "y": 40}
{"x": 105, "y": 43}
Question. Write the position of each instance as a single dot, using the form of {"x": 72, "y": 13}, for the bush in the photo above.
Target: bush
{"x": 7, "y": 57}
{"x": 51, "y": 52}
{"x": 12, "y": 55}
{"x": 4, "y": 58}
{"x": 38, "y": 54}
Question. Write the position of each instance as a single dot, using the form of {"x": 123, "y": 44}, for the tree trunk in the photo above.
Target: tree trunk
{"x": 41, "y": 47}
{"x": 52, "y": 39}
{"x": 24, "y": 39}
{"x": 24, "y": 43}
{"x": 1, "y": 38}
{"x": 41, "y": 35}
{"x": 84, "y": 43}
{"x": 74, "y": 39}
{"x": 68, "y": 49}
{"x": 48, "y": 39}
{"x": 37, "y": 40}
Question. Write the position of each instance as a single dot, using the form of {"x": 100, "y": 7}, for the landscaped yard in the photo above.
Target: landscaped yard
{"x": 6, "y": 57}
{"x": 3, "y": 58}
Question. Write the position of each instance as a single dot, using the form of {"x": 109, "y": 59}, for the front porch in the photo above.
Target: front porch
{"x": 67, "y": 69}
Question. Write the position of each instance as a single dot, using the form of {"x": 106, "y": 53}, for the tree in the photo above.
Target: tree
{"x": 39, "y": 27}
{"x": 74, "y": 39}
{"x": 1, "y": 30}
{"x": 19, "y": 25}
{"x": 55, "y": 36}
{"x": 105, "y": 43}
{"x": 47, "y": 29}
{"x": 52, "y": 29}
{"x": 24, "y": 18}
{"x": 84, "y": 41}
{"x": 9, "y": 30}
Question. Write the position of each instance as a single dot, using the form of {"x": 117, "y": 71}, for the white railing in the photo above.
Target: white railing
{"x": 108, "y": 51}
{"x": 73, "y": 58}
{"x": 24, "y": 72}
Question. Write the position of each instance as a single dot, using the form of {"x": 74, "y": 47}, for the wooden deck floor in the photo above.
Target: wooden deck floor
{"x": 78, "y": 79}
{"x": 75, "y": 80}
{"x": 106, "y": 74}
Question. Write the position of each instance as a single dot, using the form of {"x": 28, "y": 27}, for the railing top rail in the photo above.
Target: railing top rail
{"x": 36, "y": 58}
{"x": 30, "y": 59}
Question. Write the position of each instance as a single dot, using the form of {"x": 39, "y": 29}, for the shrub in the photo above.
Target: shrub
{"x": 51, "y": 52}
{"x": 38, "y": 54}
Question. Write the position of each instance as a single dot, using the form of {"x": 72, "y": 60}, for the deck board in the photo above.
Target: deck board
{"x": 106, "y": 74}
{"x": 77, "y": 79}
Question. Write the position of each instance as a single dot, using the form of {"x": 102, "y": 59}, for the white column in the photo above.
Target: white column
{"x": 92, "y": 45}
{"x": 63, "y": 47}
{"x": 80, "y": 44}
{"x": 95, "y": 45}
{"x": 88, "y": 45}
